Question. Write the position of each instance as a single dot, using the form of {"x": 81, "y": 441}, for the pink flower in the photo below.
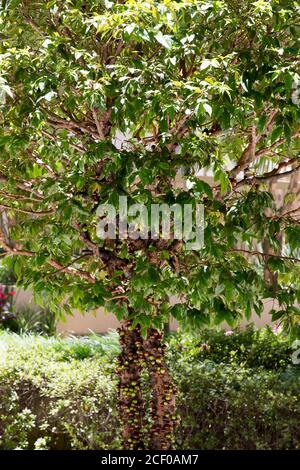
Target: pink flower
{"x": 276, "y": 329}
{"x": 228, "y": 333}
{"x": 12, "y": 292}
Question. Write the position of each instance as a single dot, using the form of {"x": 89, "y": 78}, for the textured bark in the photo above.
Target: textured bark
{"x": 130, "y": 400}
{"x": 163, "y": 391}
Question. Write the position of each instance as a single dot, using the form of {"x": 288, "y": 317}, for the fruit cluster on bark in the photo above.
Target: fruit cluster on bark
{"x": 140, "y": 354}
{"x": 131, "y": 403}
{"x": 163, "y": 391}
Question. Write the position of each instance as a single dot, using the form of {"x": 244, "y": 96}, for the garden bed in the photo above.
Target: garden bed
{"x": 234, "y": 392}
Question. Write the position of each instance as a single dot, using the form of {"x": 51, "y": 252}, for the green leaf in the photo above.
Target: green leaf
{"x": 207, "y": 108}
{"x": 164, "y": 40}
{"x": 276, "y": 315}
{"x": 248, "y": 311}
{"x": 203, "y": 187}
{"x": 276, "y": 133}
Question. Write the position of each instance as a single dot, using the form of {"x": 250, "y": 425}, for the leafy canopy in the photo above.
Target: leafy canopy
{"x": 185, "y": 85}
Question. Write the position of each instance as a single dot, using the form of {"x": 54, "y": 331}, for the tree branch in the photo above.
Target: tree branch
{"x": 271, "y": 175}
{"x": 55, "y": 264}
{"x": 28, "y": 211}
{"x": 265, "y": 255}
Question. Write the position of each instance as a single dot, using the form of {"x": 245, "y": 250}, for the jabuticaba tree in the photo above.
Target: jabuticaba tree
{"x": 101, "y": 99}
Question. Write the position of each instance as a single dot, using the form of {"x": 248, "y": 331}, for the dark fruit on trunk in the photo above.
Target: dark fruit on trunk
{"x": 130, "y": 400}
{"x": 163, "y": 392}
{"x": 136, "y": 354}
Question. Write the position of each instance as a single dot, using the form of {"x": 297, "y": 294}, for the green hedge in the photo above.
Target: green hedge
{"x": 247, "y": 348}
{"x": 223, "y": 407}
{"x": 57, "y": 394}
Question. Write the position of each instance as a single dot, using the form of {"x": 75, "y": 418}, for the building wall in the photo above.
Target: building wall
{"x": 101, "y": 322}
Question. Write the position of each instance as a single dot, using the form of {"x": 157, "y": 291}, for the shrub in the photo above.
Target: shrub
{"x": 237, "y": 390}
{"x": 226, "y": 407}
{"x": 52, "y": 399}
{"x": 7, "y": 275}
{"x": 249, "y": 348}
{"x": 28, "y": 320}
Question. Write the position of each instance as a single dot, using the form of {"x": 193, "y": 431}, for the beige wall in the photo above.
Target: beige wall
{"x": 101, "y": 321}
{"x": 24, "y": 298}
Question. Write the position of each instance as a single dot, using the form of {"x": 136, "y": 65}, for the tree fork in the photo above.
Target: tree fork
{"x": 163, "y": 399}
{"x": 130, "y": 400}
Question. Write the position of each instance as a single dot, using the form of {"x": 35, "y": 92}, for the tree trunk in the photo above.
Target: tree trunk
{"x": 163, "y": 391}
{"x": 130, "y": 400}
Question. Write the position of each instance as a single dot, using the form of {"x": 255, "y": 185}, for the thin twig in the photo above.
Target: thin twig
{"x": 259, "y": 253}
